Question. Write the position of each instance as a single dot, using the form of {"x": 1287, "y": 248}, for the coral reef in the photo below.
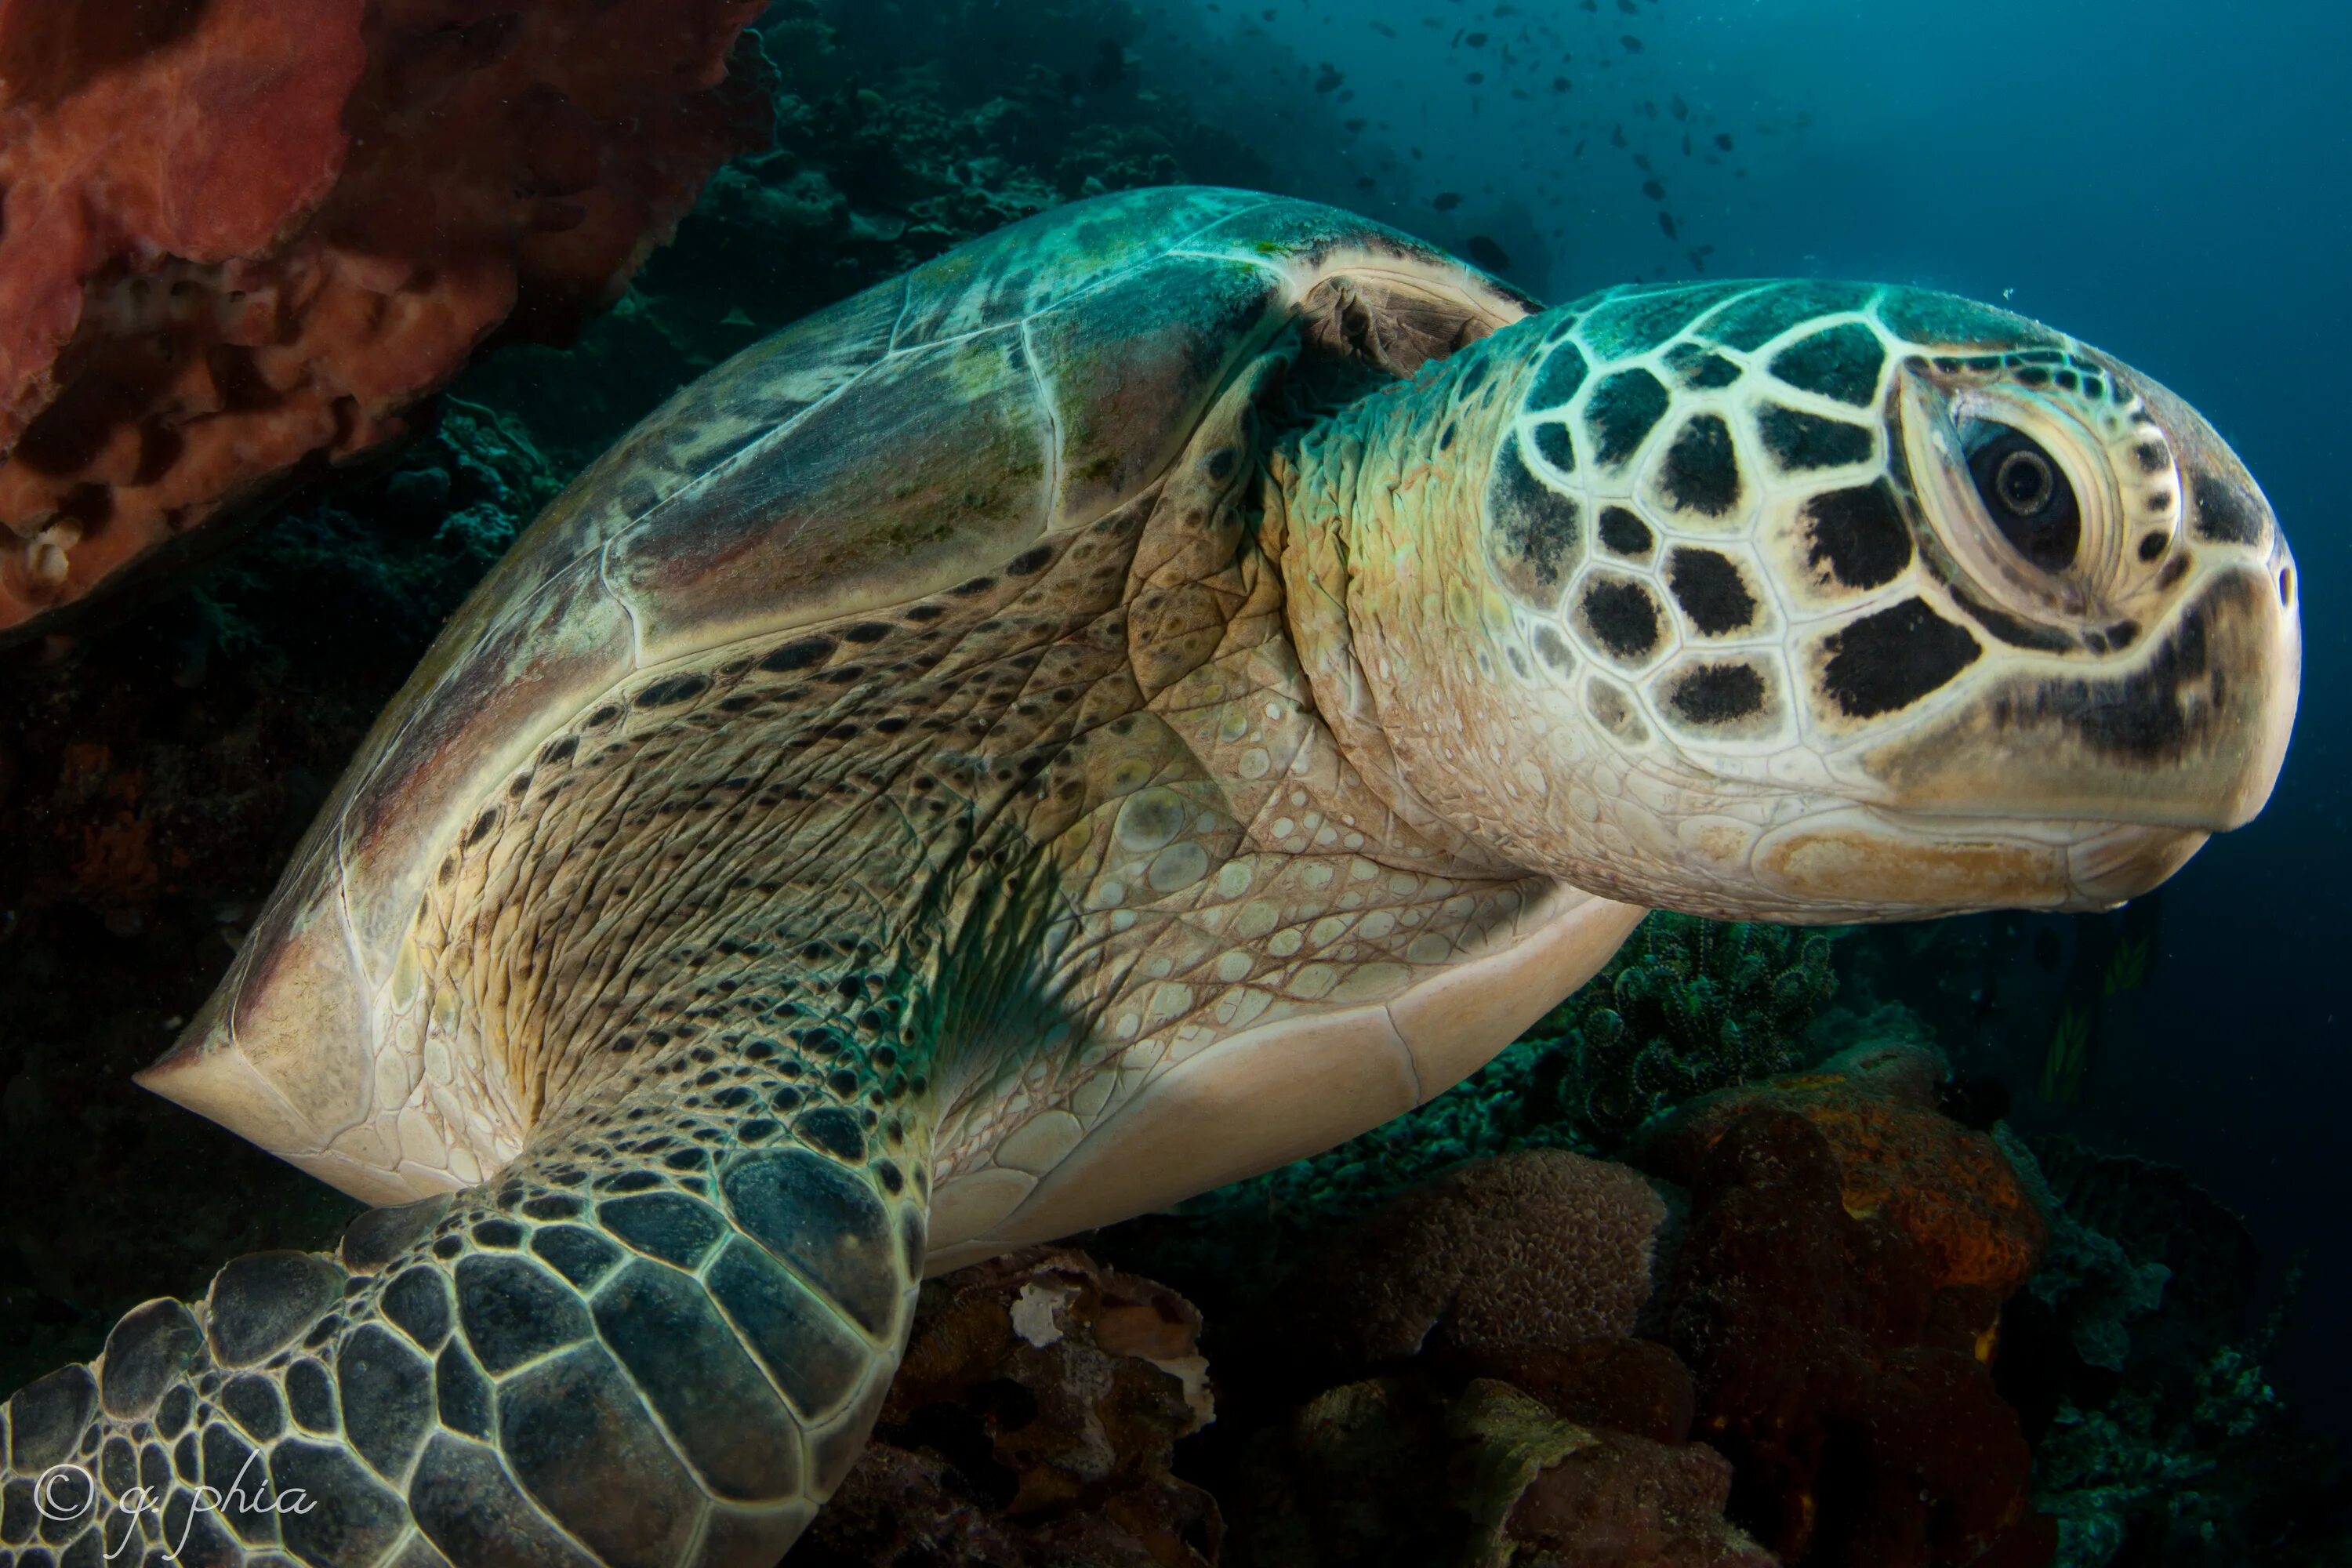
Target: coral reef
{"x": 1536, "y": 1246}
{"x": 2135, "y": 1364}
{"x": 1846, "y": 1386}
{"x": 901, "y": 131}
{"x": 1397, "y": 1470}
{"x": 318, "y": 211}
{"x": 1947, "y": 1188}
{"x": 1034, "y": 1422}
{"x": 1694, "y": 1006}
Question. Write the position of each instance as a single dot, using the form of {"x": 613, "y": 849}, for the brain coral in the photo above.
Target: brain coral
{"x": 238, "y": 238}
{"x": 1536, "y": 1246}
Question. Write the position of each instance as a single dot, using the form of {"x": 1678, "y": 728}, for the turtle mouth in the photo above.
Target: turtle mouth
{"x": 2097, "y": 861}
{"x": 1894, "y": 863}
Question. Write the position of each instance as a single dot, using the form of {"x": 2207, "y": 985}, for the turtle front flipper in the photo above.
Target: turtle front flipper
{"x": 662, "y": 1348}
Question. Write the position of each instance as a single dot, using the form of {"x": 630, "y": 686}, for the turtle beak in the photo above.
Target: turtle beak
{"x": 2279, "y": 644}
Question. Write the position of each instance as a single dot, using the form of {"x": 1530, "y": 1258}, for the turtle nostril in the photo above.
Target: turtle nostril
{"x": 2287, "y": 587}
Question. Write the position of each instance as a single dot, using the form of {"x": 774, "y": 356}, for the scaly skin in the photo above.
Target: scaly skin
{"x": 696, "y": 1274}
{"x": 770, "y": 959}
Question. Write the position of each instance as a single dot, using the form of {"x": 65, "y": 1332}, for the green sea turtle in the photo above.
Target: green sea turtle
{"x": 1145, "y": 697}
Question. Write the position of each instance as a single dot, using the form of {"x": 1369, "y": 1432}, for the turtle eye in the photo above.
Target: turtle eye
{"x": 2027, "y": 495}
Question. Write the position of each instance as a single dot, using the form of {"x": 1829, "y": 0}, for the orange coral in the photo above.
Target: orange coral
{"x": 1949, "y": 1189}
{"x": 239, "y": 238}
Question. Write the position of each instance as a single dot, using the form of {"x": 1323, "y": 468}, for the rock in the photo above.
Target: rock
{"x": 1392, "y": 1470}
{"x": 1635, "y": 1386}
{"x": 1034, "y": 1422}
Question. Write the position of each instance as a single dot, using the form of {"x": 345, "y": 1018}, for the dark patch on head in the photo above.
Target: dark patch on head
{"x": 1622, "y": 327}
{"x": 2153, "y": 458}
{"x": 866, "y": 631}
{"x": 1038, "y": 557}
{"x": 1936, "y": 320}
{"x": 1622, "y": 618}
{"x": 2225, "y": 513}
{"x": 1553, "y": 651}
{"x": 1615, "y": 711}
{"x": 1709, "y": 589}
{"x": 1842, "y": 362}
{"x": 1624, "y": 532}
{"x": 1799, "y": 441}
{"x": 1557, "y": 383}
{"x": 1701, "y": 368}
{"x": 800, "y": 654}
{"x": 1717, "y": 694}
{"x": 1858, "y": 534}
{"x": 1558, "y": 448}
{"x": 1474, "y": 378}
{"x": 1535, "y": 530}
{"x": 2008, "y": 627}
{"x": 1702, "y": 472}
{"x": 1756, "y": 319}
{"x": 562, "y": 750}
{"x": 1891, "y": 660}
{"x": 2153, "y": 545}
{"x": 2141, "y": 716}
{"x": 1623, "y": 410}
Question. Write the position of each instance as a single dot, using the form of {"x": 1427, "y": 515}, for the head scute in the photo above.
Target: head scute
{"x": 1832, "y": 564}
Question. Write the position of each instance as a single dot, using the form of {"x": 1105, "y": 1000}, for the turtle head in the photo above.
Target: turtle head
{"x": 1817, "y": 601}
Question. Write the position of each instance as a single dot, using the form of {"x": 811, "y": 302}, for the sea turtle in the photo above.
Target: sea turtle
{"x": 1146, "y": 696}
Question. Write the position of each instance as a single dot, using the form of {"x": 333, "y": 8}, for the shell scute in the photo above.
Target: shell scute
{"x": 937, "y": 469}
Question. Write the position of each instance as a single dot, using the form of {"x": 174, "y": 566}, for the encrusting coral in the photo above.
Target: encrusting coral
{"x": 1847, "y": 1385}
{"x": 242, "y": 238}
{"x": 1948, "y": 1188}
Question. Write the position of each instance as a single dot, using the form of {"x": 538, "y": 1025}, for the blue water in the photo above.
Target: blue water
{"x": 2171, "y": 182}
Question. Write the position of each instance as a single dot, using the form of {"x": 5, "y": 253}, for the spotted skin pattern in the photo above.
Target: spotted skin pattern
{"x": 1717, "y": 564}
{"x": 749, "y": 915}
